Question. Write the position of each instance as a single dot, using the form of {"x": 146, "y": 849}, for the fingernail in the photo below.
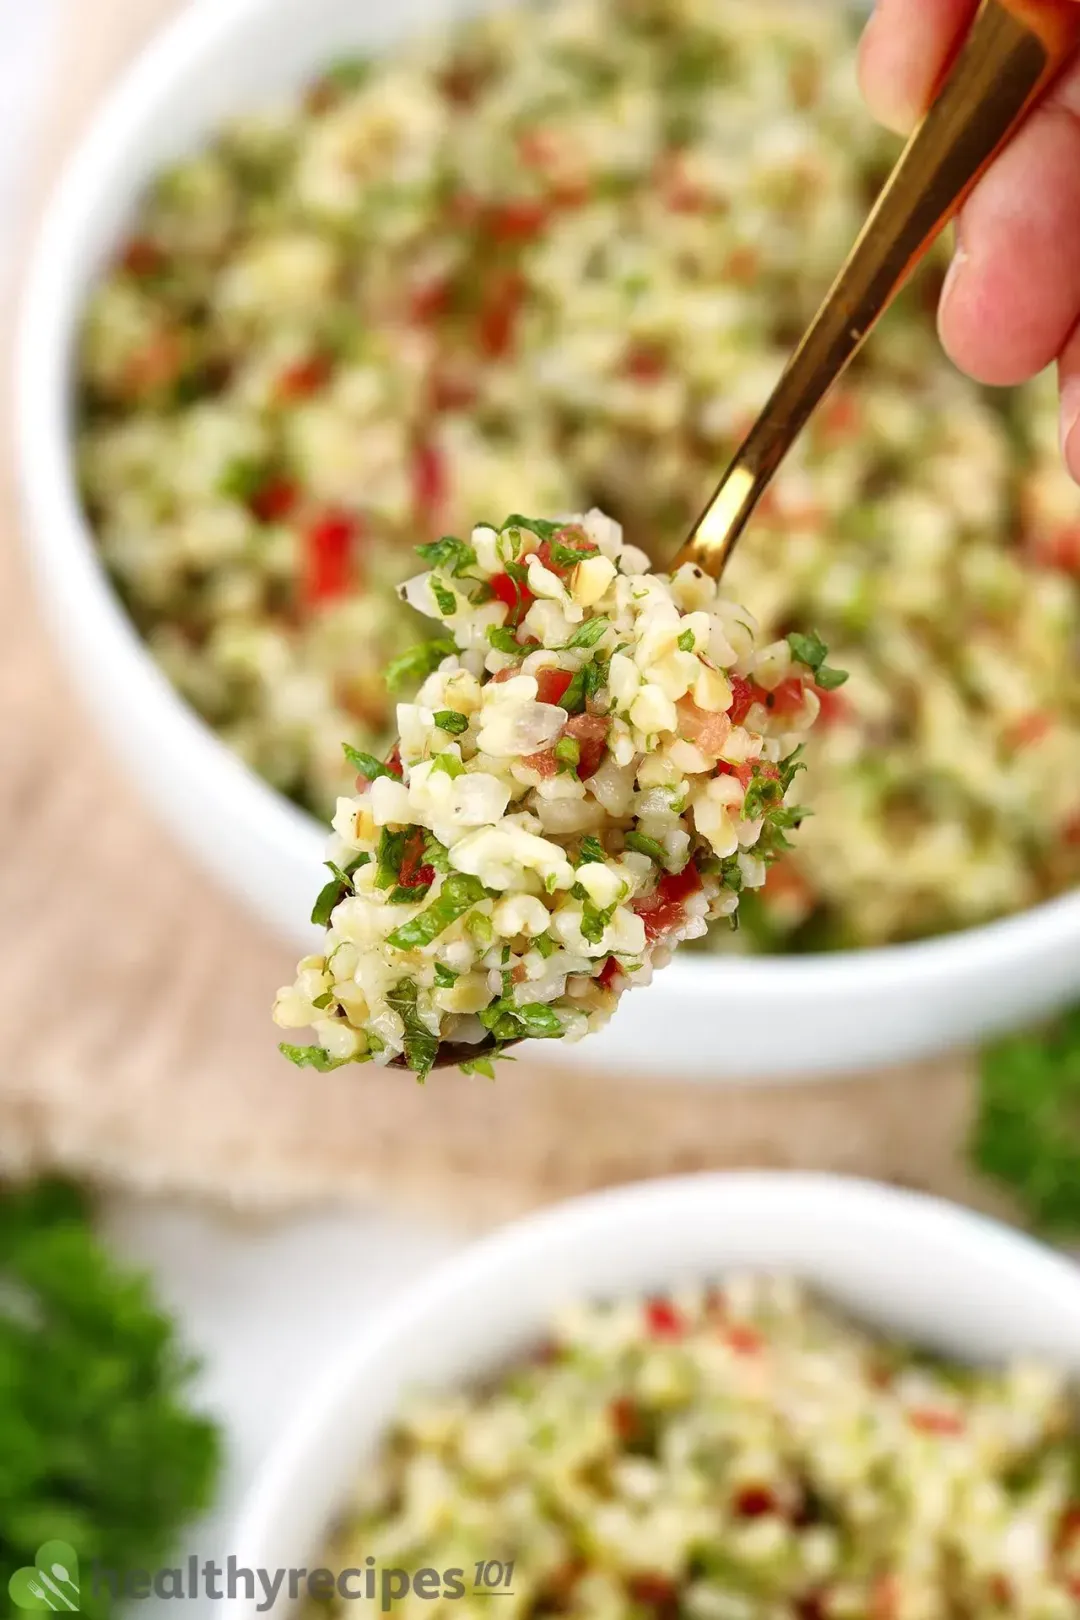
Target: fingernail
{"x": 960, "y": 260}
{"x": 1070, "y": 425}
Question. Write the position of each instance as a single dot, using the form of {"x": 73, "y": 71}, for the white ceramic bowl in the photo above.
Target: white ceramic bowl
{"x": 936, "y": 1275}
{"x": 702, "y": 1018}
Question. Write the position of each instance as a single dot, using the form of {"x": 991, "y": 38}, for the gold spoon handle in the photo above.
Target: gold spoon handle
{"x": 1012, "y": 53}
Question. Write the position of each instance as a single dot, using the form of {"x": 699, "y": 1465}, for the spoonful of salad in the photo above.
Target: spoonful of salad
{"x": 593, "y": 770}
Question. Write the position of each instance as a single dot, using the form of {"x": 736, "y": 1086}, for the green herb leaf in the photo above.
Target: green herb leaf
{"x": 421, "y": 1046}
{"x": 413, "y": 667}
{"x": 810, "y": 650}
{"x": 537, "y": 526}
{"x": 503, "y": 639}
{"x": 449, "y": 764}
{"x": 242, "y": 479}
{"x": 330, "y": 896}
{"x": 539, "y": 1021}
{"x": 585, "y": 684}
{"x": 366, "y": 764}
{"x": 589, "y": 632}
{"x": 480, "y": 1065}
{"x": 570, "y": 556}
{"x": 445, "y": 600}
{"x": 450, "y": 554}
{"x": 459, "y": 892}
{"x": 389, "y": 855}
{"x": 99, "y": 1443}
{"x": 568, "y": 752}
{"x": 1027, "y": 1130}
{"x": 450, "y": 720}
{"x": 590, "y": 849}
{"x": 312, "y": 1057}
{"x": 445, "y": 977}
{"x": 544, "y": 944}
{"x": 324, "y": 1000}
{"x": 646, "y": 846}
{"x": 686, "y": 641}
{"x": 594, "y": 921}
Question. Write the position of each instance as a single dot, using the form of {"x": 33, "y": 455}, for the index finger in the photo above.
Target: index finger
{"x": 903, "y": 51}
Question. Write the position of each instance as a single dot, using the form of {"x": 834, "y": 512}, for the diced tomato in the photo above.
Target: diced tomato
{"x": 329, "y": 546}
{"x": 654, "y": 1592}
{"x": 787, "y": 698}
{"x": 544, "y": 763}
{"x": 516, "y": 595}
{"x": 142, "y": 257}
{"x": 663, "y": 1320}
{"x": 755, "y": 1501}
{"x": 744, "y": 694}
{"x": 707, "y": 729}
{"x": 645, "y": 362}
{"x": 499, "y": 313}
{"x": 430, "y": 299}
{"x": 506, "y": 674}
{"x": 572, "y": 538}
{"x": 931, "y": 1420}
{"x": 303, "y": 379}
{"x": 590, "y": 733}
{"x": 624, "y": 1417}
{"x": 663, "y": 910}
{"x": 611, "y": 970}
{"x": 275, "y": 500}
{"x": 834, "y": 707}
{"x": 744, "y": 1340}
{"x": 430, "y": 483}
{"x": 551, "y": 684}
{"x": 414, "y": 874}
{"x": 744, "y": 771}
{"x": 1028, "y": 729}
{"x": 520, "y": 220}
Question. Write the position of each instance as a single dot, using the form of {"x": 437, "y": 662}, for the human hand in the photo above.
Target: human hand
{"x": 1011, "y": 301}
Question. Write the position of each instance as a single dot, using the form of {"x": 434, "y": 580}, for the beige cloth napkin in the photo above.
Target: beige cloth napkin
{"x": 135, "y": 1041}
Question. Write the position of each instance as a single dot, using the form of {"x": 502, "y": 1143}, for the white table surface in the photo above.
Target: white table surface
{"x": 266, "y": 1307}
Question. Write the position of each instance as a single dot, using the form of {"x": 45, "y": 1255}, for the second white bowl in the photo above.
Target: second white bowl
{"x": 912, "y": 1266}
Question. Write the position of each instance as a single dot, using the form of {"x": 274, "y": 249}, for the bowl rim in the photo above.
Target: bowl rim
{"x": 63, "y": 553}
{"x": 862, "y": 1201}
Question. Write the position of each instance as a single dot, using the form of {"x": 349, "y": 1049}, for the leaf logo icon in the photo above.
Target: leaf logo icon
{"x": 50, "y": 1583}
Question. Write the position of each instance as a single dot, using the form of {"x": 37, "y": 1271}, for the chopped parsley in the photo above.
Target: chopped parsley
{"x": 686, "y": 641}
{"x": 450, "y": 720}
{"x": 646, "y": 846}
{"x": 568, "y": 753}
{"x": 589, "y": 633}
{"x": 503, "y": 639}
{"x": 421, "y": 1046}
{"x": 366, "y": 764}
{"x": 534, "y": 1021}
{"x": 445, "y": 977}
{"x": 313, "y": 1057}
{"x": 389, "y": 856}
{"x": 458, "y": 893}
{"x": 585, "y": 684}
{"x": 570, "y": 556}
{"x": 412, "y": 667}
{"x": 445, "y": 600}
{"x": 811, "y": 650}
{"x": 336, "y": 890}
{"x": 449, "y": 554}
{"x": 537, "y": 526}
{"x": 448, "y": 763}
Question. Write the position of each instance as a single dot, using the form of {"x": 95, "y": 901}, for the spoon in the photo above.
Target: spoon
{"x": 1011, "y": 55}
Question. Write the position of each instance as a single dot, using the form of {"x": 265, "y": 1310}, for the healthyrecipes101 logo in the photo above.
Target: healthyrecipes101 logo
{"x": 51, "y": 1582}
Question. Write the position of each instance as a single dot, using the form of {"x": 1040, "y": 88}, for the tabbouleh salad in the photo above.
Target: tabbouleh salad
{"x": 553, "y": 259}
{"x": 594, "y": 768}
{"x": 733, "y": 1453}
